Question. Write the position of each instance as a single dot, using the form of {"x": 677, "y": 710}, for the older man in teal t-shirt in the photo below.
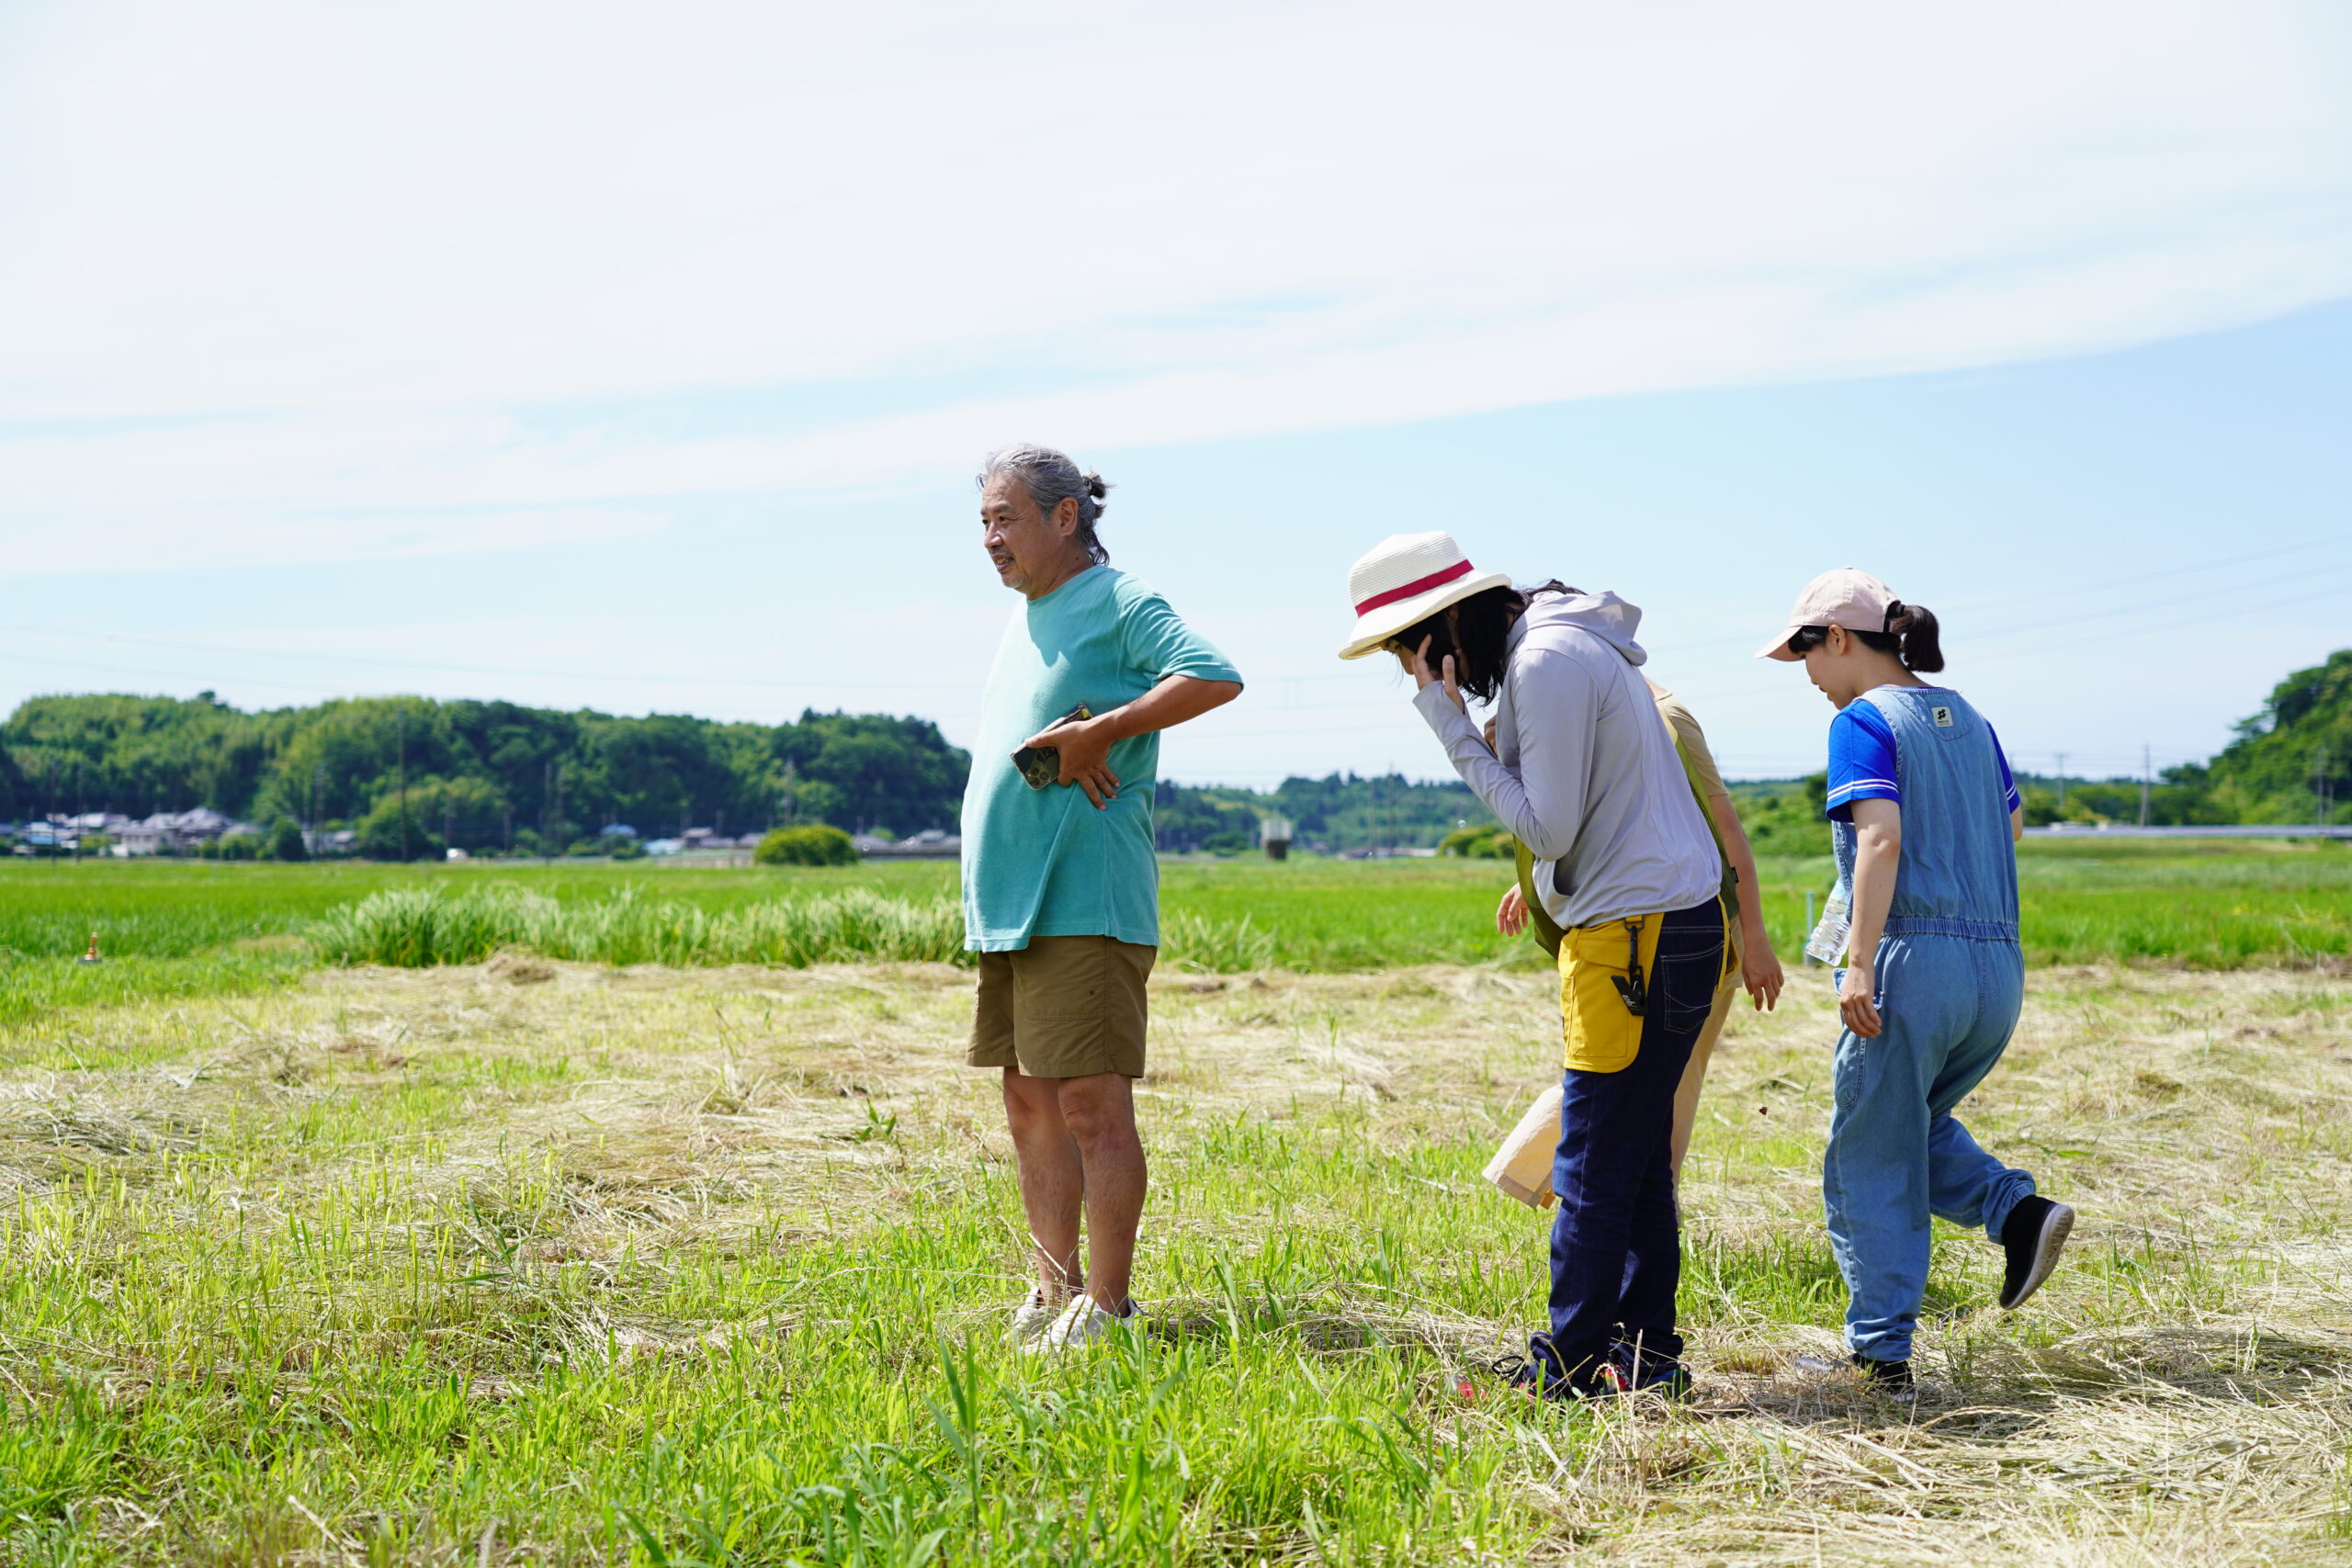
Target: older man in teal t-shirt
{"x": 1061, "y": 888}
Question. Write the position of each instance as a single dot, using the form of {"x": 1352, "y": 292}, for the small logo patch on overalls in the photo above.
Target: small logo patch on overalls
{"x": 1943, "y": 717}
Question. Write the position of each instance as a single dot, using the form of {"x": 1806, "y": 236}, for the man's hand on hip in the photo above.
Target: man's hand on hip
{"x": 1085, "y": 747}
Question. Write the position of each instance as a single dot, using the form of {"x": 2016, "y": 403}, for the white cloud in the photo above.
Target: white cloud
{"x": 262, "y": 264}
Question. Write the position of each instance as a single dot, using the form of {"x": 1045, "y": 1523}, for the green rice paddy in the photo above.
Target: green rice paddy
{"x": 193, "y": 929}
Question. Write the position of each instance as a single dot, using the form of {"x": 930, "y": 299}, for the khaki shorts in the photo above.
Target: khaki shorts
{"x": 1064, "y": 1007}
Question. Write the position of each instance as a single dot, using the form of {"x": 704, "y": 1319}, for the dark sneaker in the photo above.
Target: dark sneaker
{"x": 1534, "y": 1378}
{"x": 1891, "y": 1378}
{"x": 2032, "y": 1235}
{"x": 1632, "y": 1372}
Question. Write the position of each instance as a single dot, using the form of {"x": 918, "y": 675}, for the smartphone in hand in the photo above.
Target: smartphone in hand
{"x": 1041, "y": 765}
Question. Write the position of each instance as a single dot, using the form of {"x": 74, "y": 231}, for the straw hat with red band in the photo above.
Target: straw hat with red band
{"x": 1408, "y": 578}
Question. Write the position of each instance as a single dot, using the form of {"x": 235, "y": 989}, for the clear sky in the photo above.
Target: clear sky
{"x": 638, "y": 358}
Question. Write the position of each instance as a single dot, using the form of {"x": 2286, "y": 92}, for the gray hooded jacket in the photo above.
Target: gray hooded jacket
{"x": 1584, "y": 770}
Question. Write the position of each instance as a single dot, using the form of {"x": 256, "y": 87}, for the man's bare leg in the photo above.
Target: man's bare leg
{"x": 1053, "y": 1180}
{"x": 1100, "y": 1111}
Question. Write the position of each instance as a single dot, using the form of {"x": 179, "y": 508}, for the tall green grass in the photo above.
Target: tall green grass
{"x": 422, "y": 927}
{"x": 416, "y": 927}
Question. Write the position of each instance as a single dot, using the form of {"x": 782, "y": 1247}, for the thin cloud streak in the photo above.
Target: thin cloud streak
{"x": 348, "y": 286}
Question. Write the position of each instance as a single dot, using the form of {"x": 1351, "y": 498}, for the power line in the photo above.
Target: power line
{"x": 2077, "y": 591}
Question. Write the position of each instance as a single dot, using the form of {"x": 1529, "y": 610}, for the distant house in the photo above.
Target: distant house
{"x": 165, "y": 832}
{"x": 195, "y": 826}
{"x": 712, "y": 839}
{"x": 141, "y": 839}
{"x": 35, "y": 837}
{"x": 616, "y": 831}
{"x": 932, "y": 843}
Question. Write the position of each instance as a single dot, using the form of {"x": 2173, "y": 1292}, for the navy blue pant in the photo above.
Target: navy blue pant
{"x": 1617, "y": 1242}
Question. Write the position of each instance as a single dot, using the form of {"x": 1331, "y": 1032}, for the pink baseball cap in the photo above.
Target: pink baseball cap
{"x": 1848, "y": 597}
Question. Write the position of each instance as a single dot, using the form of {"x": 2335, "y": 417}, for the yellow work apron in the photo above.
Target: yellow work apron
{"x": 1605, "y": 970}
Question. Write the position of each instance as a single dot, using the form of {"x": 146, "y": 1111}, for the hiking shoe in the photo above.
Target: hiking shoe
{"x": 1635, "y": 1368}
{"x": 1082, "y": 1324}
{"x": 2032, "y": 1235}
{"x": 1033, "y": 1316}
{"x": 1534, "y": 1378}
{"x": 1630, "y": 1373}
{"x": 1891, "y": 1378}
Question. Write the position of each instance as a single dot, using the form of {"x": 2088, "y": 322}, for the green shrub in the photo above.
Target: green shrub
{"x": 811, "y": 844}
{"x": 1488, "y": 842}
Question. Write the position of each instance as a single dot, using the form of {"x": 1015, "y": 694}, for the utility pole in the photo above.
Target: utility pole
{"x": 317, "y": 773}
{"x": 399, "y": 744}
{"x": 2147, "y": 782}
{"x": 547, "y": 805}
{"x": 2319, "y": 782}
{"x": 2062, "y": 782}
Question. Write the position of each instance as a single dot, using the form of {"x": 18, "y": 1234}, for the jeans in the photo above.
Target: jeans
{"x": 1617, "y": 1242}
{"x": 1946, "y": 1005}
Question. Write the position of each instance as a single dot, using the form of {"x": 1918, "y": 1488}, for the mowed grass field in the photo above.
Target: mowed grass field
{"x": 547, "y": 1261}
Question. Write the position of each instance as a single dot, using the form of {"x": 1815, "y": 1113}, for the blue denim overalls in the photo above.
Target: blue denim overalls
{"x": 1951, "y": 980}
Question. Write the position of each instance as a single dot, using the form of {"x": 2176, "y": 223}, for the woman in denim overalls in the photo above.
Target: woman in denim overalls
{"x": 1925, "y": 821}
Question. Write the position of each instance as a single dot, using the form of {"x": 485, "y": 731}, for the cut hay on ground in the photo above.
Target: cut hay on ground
{"x": 248, "y": 1245}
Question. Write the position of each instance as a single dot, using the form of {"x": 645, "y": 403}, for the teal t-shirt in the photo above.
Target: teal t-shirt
{"x": 1045, "y": 861}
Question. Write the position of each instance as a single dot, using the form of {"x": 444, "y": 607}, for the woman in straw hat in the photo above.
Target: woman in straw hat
{"x": 1925, "y": 819}
{"x": 1581, "y": 770}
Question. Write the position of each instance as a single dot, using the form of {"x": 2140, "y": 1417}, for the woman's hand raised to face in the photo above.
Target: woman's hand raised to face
{"x": 1423, "y": 676}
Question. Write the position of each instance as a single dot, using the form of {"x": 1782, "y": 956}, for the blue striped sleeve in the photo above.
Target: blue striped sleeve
{"x": 2009, "y": 785}
{"x": 1861, "y": 760}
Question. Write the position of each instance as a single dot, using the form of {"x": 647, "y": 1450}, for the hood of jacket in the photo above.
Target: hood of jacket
{"x": 1605, "y": 615}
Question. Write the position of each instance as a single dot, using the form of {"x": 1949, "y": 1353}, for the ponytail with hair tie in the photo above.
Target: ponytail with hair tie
{"x": 1918, "y": 637}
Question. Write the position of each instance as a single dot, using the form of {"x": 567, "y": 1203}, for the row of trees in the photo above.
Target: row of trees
{"x": 473, "y": 775}
{"x": 415, "y": 777}
{"x": 1336, "y": 813}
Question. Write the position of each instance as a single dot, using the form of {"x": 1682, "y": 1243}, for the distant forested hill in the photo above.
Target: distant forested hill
{"x": 480, "y": 770}
{"x": 2291, "y": 763}
{"x": 1341, "y": 812}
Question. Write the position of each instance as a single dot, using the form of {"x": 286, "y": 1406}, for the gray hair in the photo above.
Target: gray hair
{"x": 1051, "y": 478}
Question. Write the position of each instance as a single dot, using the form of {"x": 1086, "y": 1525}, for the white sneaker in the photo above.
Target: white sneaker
{"x": 1033, "y": 1318}
{"x": 1083, "y": 1323}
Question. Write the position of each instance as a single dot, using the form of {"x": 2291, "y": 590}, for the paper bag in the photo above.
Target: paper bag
{"x": 1522, "y": 1167}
